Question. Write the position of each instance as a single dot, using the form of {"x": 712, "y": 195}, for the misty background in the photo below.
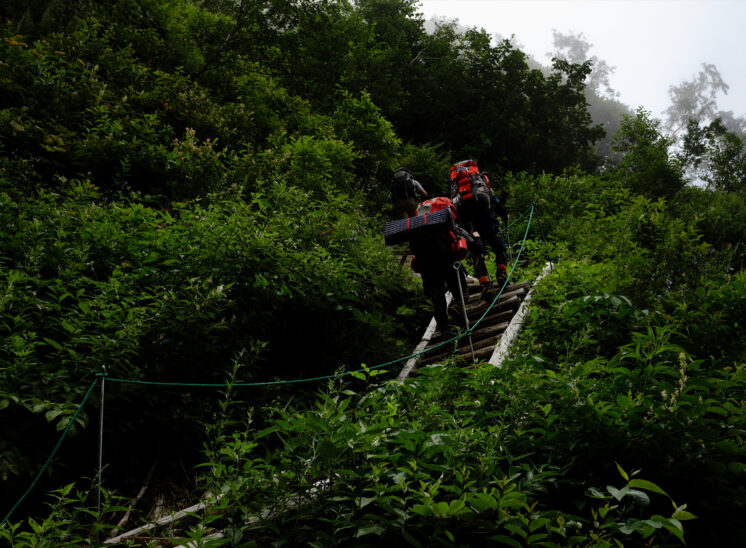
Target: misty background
{"x": 677, "y": 60}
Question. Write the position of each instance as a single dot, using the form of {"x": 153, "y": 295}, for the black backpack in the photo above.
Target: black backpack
{"x": 402, "y": 185}
{"x": 470, "y": 187}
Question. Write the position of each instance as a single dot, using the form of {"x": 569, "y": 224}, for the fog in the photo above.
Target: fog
{"x": 652, "y": 45}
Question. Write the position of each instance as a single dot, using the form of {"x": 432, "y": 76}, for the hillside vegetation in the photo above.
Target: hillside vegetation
{"x": 194, "y": 192}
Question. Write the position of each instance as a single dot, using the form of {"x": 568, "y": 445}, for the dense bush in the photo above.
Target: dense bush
{"x": 173, "y": 295}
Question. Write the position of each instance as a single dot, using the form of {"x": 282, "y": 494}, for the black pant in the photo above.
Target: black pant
{"x": 438, "y": 275}
{"x": 475, "y": 218}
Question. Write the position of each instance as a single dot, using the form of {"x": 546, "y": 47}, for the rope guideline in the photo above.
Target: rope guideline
{"x": 53, "y": 453}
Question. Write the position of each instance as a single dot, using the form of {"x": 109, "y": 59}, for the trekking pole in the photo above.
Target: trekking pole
{"x": 457, "y": 266}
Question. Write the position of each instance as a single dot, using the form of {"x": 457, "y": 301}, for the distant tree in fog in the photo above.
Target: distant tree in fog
{"x": 695, "y": 99}
{"x": 714, "y": 154}
{"x": 574, "y": 48}
{"x": 603, "y": 101}
{"x": 711, "y": 143}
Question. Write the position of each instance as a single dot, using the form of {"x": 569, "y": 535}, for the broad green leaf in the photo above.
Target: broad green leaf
{"x": 55, "y": 344}
{"x": 736, "y": 467}
{"x": 682, "y": 515}
{"x": 68, "y": 326}
{"x": 618, "y": 494}
{"x": 537, "y": 523}
{"x": 327, "y": 450}
{"x": 440, "y": 508}
{"x": 641, "y": 497}
{"x": 422, "y": 509}
{"x": 53, "y": 414}
{"x": 621, "y": 470}
{"x": 370, "y": 530}
{"x": 516, "y": 529}
{"x": 648, "y": 486}
{"x": 482, "y": 501}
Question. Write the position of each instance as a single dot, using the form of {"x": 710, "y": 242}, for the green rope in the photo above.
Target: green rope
{"x": 54, "y": 452}
{"x": 274, "y": 383}
{"x": 515, "y": 222}
{"x": 529, "y": 212}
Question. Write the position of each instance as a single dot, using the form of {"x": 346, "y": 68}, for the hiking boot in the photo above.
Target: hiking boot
{"x": 501, "y": 276}
{"x": 488, "y": 292}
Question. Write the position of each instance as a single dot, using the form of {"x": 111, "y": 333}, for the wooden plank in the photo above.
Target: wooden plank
{"x": 476, "y": 299}
{"x": 484, "y": 338}
{"x": 461, "y": 351}
{"x": 489, "y": 321}
{"x": 165, "y": 520}
{"x": 475, "y": 296}
{"x": 465, "y": 357}
{"x": 484, "y": 333}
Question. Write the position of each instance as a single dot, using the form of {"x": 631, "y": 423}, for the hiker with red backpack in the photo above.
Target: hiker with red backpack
{"x": 438, "y": 244}
{"x": 404, "y": 191}
{"x": 478, "y": 208}
{"x": 434, "y": 256}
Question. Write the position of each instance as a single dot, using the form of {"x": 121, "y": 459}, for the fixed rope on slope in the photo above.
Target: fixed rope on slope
{"x": 53, "y": 453}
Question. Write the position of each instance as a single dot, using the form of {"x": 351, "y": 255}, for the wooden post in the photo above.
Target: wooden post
{"x": 101, "y": 440}
{"x": 501, "y": 350}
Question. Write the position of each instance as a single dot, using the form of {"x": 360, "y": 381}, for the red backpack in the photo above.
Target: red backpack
{"x": 468, "y": 183}
{"x": 454, "y": 243}
{"x": 436, "y": 204}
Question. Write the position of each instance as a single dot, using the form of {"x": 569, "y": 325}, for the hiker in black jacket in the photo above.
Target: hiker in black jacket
{"x": 404, "y": 191}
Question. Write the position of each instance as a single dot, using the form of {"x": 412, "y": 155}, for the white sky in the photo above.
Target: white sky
{"x": 653, "y": 44}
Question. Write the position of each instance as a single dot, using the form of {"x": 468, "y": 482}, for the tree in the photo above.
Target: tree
{"x": 715, "y": 155}
{"x": 646, "y": 166}
{"x": 710, "y": 141}
{"x": 695, "y": 99}
{"x": 482, "y": 100}
{"x": 397, "y": 43}
{"x": 603, "y": 101}
{"x": 574, "y": 48}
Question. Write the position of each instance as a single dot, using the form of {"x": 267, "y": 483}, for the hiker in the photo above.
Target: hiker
{"x": 435, "y": 253}
{"x": 404, "y": 191}
{"x": 478, "y": 209}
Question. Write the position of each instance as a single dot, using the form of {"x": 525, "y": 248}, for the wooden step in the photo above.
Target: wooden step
{"x": 508, "y": 301}
{"x": 486, "y": 338}
{"x": 465, "y": 357}
{"x": 475, "y": 296}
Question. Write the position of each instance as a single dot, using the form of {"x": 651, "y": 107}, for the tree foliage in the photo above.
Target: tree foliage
{"x": 716, "y": 155}
{"x": 647, "y": 165}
